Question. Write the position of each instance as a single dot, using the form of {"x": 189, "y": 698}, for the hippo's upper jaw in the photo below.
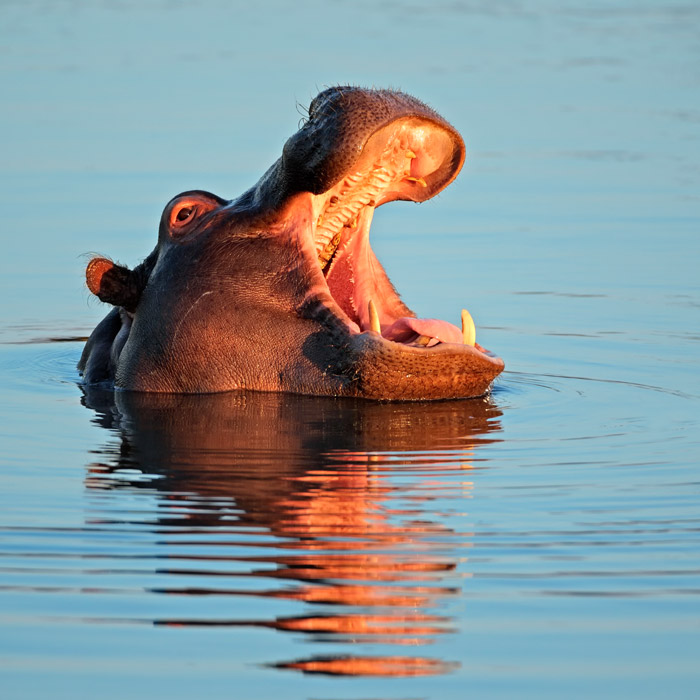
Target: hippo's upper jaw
{"x": 279, "y": 290}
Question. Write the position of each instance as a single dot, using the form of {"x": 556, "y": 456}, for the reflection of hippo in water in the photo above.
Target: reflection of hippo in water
{"x": 279, "y": 290}
{"x": 194, "y": 443}
{"x": 329, "y": 503}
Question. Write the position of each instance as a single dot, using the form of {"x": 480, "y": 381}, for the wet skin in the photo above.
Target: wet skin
{"x": 279, "y": 289}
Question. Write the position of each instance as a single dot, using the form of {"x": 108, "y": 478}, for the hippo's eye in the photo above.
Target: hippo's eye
{"x": 184, "y": 214}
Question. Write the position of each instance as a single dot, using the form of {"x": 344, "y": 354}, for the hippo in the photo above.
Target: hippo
{"x": 279, "y": 290}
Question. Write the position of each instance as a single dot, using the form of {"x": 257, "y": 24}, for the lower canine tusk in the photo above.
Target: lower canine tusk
{"x": 418, "y": 180}
{"x": 468, "y": 329}
{"x": 373, "y": 317}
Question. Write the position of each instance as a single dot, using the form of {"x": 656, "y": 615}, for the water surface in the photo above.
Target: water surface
{"x": 540, "y": 542}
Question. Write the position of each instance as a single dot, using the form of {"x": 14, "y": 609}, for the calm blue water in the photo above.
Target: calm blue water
{"x": 544, "y": 542}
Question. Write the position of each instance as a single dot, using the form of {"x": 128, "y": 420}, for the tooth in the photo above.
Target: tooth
{"x": 373, "y": 317}
{"x": 422, "y": 340}
{"x": 410, "y": 154}
{"x": 419, "y": 180}
{"x": 468, "y": 330}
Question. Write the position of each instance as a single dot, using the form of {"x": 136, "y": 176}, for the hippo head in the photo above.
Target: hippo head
{"x": 279, "y": 289}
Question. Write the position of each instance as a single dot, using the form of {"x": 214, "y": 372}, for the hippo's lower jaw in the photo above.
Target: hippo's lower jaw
{"x": 279, "y": 290}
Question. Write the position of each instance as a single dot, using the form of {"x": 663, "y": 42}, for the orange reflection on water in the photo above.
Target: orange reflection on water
{"x": 327, "y": 479}
{"x": 394, "y": 666}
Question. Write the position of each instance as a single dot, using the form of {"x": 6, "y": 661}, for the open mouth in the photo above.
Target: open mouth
{"x": 408, "y": 159}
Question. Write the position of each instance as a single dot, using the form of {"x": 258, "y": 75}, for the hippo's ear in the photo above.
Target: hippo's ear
{"x": 113, "y": 283}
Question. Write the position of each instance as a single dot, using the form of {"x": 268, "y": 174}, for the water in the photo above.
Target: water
{"x": 542, "y": 542}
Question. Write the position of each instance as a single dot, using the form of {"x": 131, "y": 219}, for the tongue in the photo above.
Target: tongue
{"x": 406, "y": 329}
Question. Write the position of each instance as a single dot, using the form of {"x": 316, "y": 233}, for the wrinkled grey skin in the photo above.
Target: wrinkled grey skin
{"x": 235, "y": 297}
